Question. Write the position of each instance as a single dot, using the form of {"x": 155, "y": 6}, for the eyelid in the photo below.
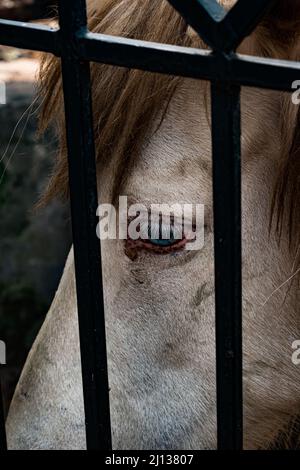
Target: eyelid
{"x": 174, "y": 232}
{"x": 133, "y": 246}
{"x": 157, "y": 226}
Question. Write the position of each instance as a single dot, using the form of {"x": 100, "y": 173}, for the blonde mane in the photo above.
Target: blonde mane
{"x": 126, "y": 102}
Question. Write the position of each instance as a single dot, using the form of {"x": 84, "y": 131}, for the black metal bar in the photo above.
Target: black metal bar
{"x": 219, "y": 30}
{"x": 189, "y": 62}
{"x": 226, "y": 119}
{"x": 241, "y": 20}
{"x": 160, "y": 58}
{"x": 257, "y": 72}
{"x": 227, "y": 71}
{"x": 148, "y": 56}
{"x": 29, "y": 36}
{"x": 204, "y": 16}
{"x": 3, "y": 443}
{"x": 222, "y": 30}
{"x": 84, "y": 201}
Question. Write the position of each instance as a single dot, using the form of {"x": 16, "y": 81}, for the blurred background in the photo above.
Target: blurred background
{"x": 33, "y": 243}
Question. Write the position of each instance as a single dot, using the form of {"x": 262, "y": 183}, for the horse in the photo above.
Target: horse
{"x": 153, "y": 144}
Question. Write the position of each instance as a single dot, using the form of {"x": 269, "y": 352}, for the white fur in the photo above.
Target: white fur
{"x": 160, "y": 309}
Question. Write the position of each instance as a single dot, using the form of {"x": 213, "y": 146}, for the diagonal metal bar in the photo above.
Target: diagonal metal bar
{"x": 204, "y": 17}
{"x": 241, "y": 20}
{"x": 222, "y": 30}
{"x": 84, "y": 201}
{"x": 226, "y": 122}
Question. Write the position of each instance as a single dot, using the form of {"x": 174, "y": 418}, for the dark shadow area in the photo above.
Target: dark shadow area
{"x": 33, "y": 244}
{"x": 26, "y": 10}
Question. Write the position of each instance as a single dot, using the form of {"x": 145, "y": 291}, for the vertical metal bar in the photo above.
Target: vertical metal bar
{"x": 84, "y": 200}
{"x": 3, "y": 444}
{"x": 226, "y": 129}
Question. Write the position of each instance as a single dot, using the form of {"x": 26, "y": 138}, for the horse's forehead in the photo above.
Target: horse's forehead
{"x": 177, "y": 157}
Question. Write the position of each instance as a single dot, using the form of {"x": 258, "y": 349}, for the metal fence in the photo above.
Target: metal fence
{"x": 227, "y": 72}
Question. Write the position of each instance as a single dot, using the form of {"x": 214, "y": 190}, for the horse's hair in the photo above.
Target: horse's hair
{"x": 127, "y": 101}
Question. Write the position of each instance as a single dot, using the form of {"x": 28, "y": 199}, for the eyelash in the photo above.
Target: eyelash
{"x": 155, "y": 246}
{"x": 134, "y": 245}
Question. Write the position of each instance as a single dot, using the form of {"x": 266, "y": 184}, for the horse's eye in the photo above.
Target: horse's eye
{"x": 163, "y": 243}
{"x": 160, "y": 241}
{"x": 155, "y": 246}
{"x": 157, "y": 239}
{"x": 159, "y": 247}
